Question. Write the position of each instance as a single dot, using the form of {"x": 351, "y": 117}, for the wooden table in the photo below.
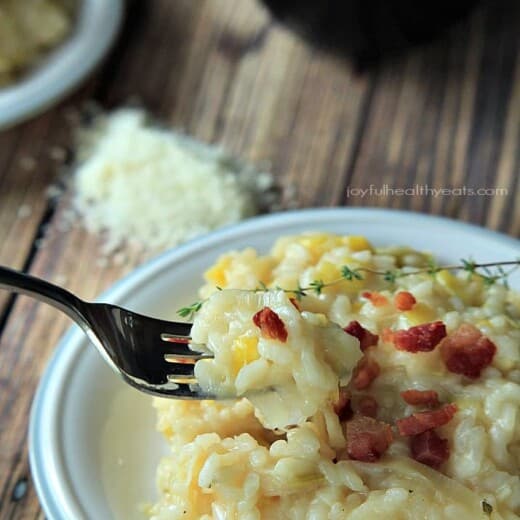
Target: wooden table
{"x": 444, "y": 116}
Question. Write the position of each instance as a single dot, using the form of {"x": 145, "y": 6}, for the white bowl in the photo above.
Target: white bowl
{"x": 92, "y": 440}
{"x": 93, "y": 32}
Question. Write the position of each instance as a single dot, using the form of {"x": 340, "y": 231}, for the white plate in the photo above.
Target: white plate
{"x": 66, "y": 66}
{"x": 93, "y": 449}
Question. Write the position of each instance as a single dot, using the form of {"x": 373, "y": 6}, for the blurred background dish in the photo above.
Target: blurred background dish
{"x": 28, "y": 30}
{"x": 368, "y": 30}
{"x": 72, "y": 41}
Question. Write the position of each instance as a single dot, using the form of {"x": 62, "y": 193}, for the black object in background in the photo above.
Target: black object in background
{"x": 366, "y": 30}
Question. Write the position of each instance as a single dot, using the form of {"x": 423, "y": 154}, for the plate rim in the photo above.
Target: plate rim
{"x": 66, "y": 66}
{"x": 69, "y": 345}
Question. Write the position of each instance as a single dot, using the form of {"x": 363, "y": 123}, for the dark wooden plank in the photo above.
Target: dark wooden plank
{"x": 447, "y": 116}
{"x": 503, "y": 212}
{"x": 36, "y": 161}
{"x": 23, "y": 202}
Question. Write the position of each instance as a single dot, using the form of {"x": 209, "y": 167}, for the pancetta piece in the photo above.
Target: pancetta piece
{"x": 421, "y": 338}
{"x": 367, "y": 405}
{"x": 367, "y": 438}
{"x": 365, "y": 337}
{"x": 270, "y": 324}
{"x": 377, "y": 299}
{"x": 467, "y": 351}
{"x": 404, "y": 301}
{"x": 423, "y": 421}
{"x": 430, "y": 449}
{"x": 365, "y": 372}
{"x": 421, "y": 397}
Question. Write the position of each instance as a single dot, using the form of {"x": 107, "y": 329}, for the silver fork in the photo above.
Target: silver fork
{"x": 151, "y": 355}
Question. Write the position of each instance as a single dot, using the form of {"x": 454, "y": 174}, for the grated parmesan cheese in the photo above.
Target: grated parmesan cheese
{"x": 153, "y": 187}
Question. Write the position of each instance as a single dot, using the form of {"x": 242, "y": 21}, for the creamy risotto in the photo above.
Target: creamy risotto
{"x": 28, "y": 28}
{"x": 377, "y": 395}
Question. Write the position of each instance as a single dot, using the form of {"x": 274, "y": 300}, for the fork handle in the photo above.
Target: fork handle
{"x": 63, "y": 300}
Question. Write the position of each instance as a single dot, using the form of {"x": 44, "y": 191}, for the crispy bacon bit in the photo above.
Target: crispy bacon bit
{"x": 423, "y": 421}
{"x": 430, "y": 449}
{"x": 294, "y": 301}
{"x": 365, "y": 337}
{"x": 467, "y": 351}
{"x": 367, "y": 438}
{"x": 404, "y": 301}
{"x": 270, "y": 324}
{"x": 421, "y": 397}
{"x": 422, "y": 338}
{"x": 342, "y": 406}
{"x": 367, "y": 406}
{"x": 365, "y": 372}
{"x": 377, "y": 299}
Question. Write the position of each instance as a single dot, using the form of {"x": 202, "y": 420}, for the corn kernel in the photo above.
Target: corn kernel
{"x": 244, "y": 350}
{"x": 327, "y": 272}
{"x": 217, "y": 273}
{"x": 448, "y": 281}
{"x": 469, "y": 293}
{"x": 319, "y": 243}
{"x": 421, "y": 313}
{"x": 357, "y": 243}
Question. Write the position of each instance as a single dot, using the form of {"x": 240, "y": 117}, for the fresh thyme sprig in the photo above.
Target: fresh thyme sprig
{"x": 483, "y": 270}
{"x": 190, "y": 310}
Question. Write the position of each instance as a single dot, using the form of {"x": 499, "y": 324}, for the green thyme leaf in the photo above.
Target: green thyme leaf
{"x": 317, "y": 286}
{"x": 351, "y": 274}
{"x": 299, "y": 292}
{"x": 489, "y": 280}
{"x": 433, "y": 268}
{"x": 391, "y": 276}
{"x": 190, "y": 310}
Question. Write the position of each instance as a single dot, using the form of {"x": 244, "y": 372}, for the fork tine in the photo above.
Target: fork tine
{"x": 188, "y": 359}
{"x": 189, "y": 391}
{"x": 181, "y": 379}
{"x": 173, "y": 328}
{"x": 175, "y": 338}
{"x": 179, "y": 349}
{"x": 180, "y": 369}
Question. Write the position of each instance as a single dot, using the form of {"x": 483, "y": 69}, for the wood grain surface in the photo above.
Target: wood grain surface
{"x": 444, "y": 116}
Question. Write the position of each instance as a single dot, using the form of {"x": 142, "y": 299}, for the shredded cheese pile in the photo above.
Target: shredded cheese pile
{"x": 153, "y": 187}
